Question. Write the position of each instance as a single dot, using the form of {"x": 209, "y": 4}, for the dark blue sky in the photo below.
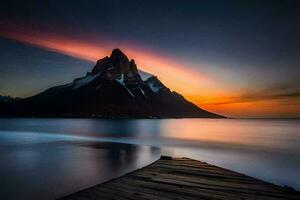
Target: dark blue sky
{"x": 25, "y": 70}
{"x": 263, "y": 30}
{"x": 249, "y": 46}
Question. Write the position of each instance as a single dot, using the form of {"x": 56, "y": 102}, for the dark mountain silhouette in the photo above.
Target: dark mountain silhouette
{"x": 113, "y": 89}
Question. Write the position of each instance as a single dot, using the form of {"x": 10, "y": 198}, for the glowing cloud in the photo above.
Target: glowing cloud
{"x": 197, "y": 87}
{"x": 173, "y": 73}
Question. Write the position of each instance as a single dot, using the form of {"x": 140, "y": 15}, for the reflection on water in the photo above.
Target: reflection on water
{"x": 50, "y": 158}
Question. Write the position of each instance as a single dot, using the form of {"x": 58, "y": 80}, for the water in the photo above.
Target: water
{"x": 50, "y": 158}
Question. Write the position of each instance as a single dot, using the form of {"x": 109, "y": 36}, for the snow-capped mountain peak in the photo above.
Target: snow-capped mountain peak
{"x": 114, "y": 88}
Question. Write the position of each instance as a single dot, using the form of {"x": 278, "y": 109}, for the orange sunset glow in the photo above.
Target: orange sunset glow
{"x": 201, "y": 88}
{"x": 171, "y": 72}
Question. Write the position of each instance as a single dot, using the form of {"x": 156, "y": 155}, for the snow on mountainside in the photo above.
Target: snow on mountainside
{"x": 144, "y": 75}
{"x": 83, "y": 81}
{"x": 113, "y": 88}
{"x": 121, "y": 81}
{"x": 154, "y": 84}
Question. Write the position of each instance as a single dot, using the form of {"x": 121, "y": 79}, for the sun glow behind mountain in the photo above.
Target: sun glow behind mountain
{"x": 201, "y": 88}
{"x": 174, "y": 73}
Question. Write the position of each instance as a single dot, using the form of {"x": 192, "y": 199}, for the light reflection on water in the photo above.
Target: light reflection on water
{"x": 49, "y": 158}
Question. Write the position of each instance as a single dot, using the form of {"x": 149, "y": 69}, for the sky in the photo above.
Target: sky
{"x": 235, "y": 58}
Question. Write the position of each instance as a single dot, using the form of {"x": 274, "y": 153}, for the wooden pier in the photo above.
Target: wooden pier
{"x": 184, "y": 179}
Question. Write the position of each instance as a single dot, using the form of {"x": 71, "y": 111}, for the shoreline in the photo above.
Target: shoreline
{"x": 184, "y": 178}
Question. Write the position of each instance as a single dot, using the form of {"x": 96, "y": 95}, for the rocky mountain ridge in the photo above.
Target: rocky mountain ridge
{"x": 112, "y": 89}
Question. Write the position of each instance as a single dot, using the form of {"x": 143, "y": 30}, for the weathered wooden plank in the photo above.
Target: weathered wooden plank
{"x": 133, "y": 190}
{"x": 207, "y": 183}
{"x": 179, "y": 190}
{"x": 214, "y": 171}
{"x": 184, "y": 179}
{"x": 216, "y": 188}
{"x": 205, "y": 180}
{"x": 174, "y": 187}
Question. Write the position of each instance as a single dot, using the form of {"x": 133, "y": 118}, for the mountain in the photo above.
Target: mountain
{"x": 113, "y": 89}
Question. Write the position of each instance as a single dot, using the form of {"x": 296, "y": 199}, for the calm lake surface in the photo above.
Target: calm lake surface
{"x": 51, "y": 158}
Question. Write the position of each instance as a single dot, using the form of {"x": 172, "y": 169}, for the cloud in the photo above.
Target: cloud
{"x": 286, "y": 93}
{"x": 172, "y": 71}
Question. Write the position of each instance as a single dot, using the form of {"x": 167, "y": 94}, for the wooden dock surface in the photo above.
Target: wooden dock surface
{"x": 184, "y": 179}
